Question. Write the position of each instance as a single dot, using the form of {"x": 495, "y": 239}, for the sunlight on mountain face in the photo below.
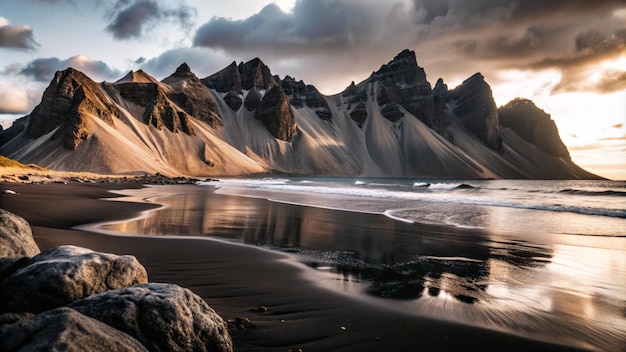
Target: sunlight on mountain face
{"x": 589, "y": 125}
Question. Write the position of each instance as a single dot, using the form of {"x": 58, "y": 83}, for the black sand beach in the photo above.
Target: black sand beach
{"x": 236, "y": 280}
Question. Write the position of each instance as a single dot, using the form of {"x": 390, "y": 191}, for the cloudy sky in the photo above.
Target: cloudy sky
{"x": 568, "y": 56}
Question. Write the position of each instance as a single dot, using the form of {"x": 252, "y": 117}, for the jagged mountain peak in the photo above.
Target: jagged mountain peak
{"x": 477, "y": 110}
{"x": 235, "y": 78}
{"x": 286, "y": 125}
{"x": 402, "y": 83}
{"x": 67, "y": 103}
{"x": 183, "y": 70}
{"x": 441, "y": 88}
{"x": 255, "y": 74}
{"x": 139, "y": 76}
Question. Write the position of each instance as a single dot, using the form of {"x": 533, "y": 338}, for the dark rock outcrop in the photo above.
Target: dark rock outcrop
{"x": 301, "y": 95}
{"x": 192, "y": 96}
{"x": 163, "y": 317}
{"x": 404, "y": 83}
{"x": 64, "y": 274}
{"x": 69, "y": 101}
{"x": 276, "y": 114}
{"x": 359, "y": 114}
{"x": 61, "y": 329}
{"x": 16, "y": 238}
{"x": 159, "y": 111}
{"x": 255, "y": 74}
{"x": 226, "y": 80}
{"x": 245, "y": 76}
{"x": 233, "y": 100}
{"x": 253, "y": 100}
{"x": 441, "y": 89}
{"x": 477, "y": 110}
{"x": 356, "y": 99}
{"x": 534, "y": 125}
{"x": 264, "y": 96}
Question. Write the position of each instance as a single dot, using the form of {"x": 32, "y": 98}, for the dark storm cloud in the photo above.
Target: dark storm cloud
{"x": 590, "y": 47}
{"x": 132, "y": 19}
{"x": 452, "y": 38}
{"x": 16, "y": 37}
{"x": 43, "y": 69}
{"x": 313, "y": 25}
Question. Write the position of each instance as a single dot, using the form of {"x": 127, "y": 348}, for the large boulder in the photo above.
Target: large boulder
{"x": 61, "y": 329}
{"x": 16, "y": 237}
{"x": 64, "y": 274}
{"x": 164, "y": 317}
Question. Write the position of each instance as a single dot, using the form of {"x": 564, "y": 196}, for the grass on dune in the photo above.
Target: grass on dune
{"x": 7, "y": 162}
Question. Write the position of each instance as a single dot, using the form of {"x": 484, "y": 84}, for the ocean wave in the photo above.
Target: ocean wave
{"x": 450, "y": 186}
{"x": 437, "y": 192}
{"x": 593, "y": 193}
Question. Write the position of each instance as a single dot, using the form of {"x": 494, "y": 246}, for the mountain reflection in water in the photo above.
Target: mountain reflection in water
{"x": 516, "y": 283}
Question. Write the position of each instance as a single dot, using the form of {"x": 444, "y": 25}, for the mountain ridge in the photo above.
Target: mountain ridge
{"x": 243, "y": 120}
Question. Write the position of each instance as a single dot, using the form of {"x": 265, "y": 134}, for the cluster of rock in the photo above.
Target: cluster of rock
{"x": 51, "y": 177}
{"x": 74, "y": 299}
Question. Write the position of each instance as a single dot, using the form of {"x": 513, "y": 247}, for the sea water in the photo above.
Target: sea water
{"x": 544, "y": 259}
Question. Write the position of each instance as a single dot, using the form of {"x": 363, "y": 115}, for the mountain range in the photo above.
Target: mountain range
{"x": 244, "y": 120}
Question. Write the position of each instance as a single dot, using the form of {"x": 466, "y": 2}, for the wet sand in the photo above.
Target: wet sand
{"x": 236, "y": 279}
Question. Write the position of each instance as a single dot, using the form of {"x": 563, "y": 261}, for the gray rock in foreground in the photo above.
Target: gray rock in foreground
{"x": 16, "y": 237}
{"x": 163, "y": 317}
{"x": 64, "y": 274}
{"x": 61, "y": 329}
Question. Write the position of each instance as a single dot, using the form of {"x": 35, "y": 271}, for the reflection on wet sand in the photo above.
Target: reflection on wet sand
{"x": 527, "y": 285}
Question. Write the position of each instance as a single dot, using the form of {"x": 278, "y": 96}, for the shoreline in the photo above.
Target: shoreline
{"x": 236, "y": 280}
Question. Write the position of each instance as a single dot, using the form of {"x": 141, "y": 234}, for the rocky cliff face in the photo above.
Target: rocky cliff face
{"x": 402, "y": 82}
{"x": 159, "y": 111}
{"x": 276, "y": 114}
{"x": 68, "y": 102}
{"x": 236, "y": 122}
{"x": 534, "y": 125}
{"x": 192, "y": 96}
{"x": 265, "y": 96}
{"x": 477, "y": 110}
{"x": 249, "y": 75}
{"x": 301, "y": 95}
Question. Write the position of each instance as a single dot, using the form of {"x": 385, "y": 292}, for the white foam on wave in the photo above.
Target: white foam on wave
{"x": 448, "y": 193}
{"x": 445, "y": 186}
{"x": 389, "y": 214}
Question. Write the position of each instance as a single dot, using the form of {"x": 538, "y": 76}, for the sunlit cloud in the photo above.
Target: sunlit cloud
{"x": 43, "y": 69}
{"x": 16, "y": 100}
